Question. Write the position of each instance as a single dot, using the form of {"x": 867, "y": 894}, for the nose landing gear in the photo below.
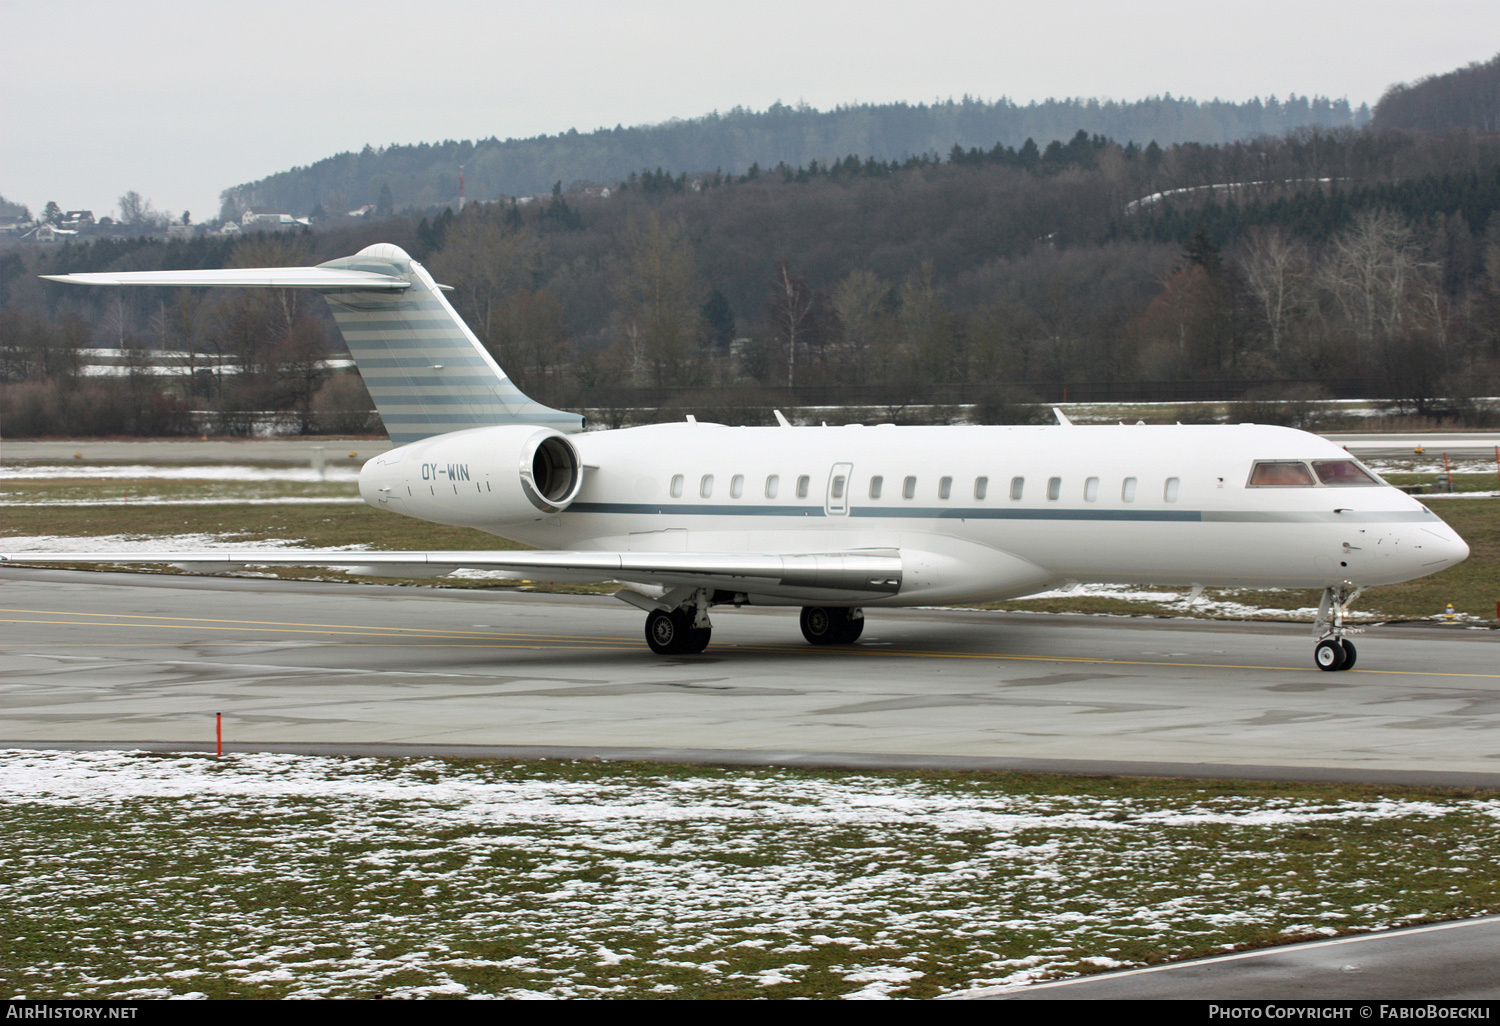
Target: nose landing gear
{"x": 1334, "y": 650}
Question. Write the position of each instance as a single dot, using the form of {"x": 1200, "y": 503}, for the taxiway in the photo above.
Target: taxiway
{"x": 116, "y": 659}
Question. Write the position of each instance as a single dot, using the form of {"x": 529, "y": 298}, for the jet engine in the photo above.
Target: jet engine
{"x": 480, "y": 477}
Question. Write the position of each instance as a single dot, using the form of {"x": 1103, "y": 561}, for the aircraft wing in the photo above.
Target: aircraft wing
{"x": 338, "y": 279}
{"x": 857, "y": 574}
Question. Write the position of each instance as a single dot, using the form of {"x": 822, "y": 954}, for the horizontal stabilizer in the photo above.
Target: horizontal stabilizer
{"x": 335, "y": 279}
{"x": 864, "y": 573}
{"x": 425, "y": 369}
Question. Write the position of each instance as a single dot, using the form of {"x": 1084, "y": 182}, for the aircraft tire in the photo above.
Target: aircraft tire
{"x": 820, "y": 626}
{"x": 673, "y": 634}
{"x": 1350, "y": 655}
{"x": 830, "y": 626}
{"x": 665, "y": 632}
{"x": 1330, "y": 654}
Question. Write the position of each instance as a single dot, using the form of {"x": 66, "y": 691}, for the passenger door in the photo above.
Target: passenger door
{"x": 840, "y": 478}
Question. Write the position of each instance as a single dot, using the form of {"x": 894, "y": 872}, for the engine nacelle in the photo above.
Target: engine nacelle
{"x": 481, "y": 477}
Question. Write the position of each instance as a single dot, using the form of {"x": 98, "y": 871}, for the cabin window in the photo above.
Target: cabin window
{"x": 1127, "y": 490}
{"x": 1170, "y": 491}
{"x": 1281, "y": 474}
{"x": 773, "y": 485}
{"x": 909, "y": 488}
{"x": 837, "y": 489}
{"x": 676, "y": 486}
{"x": 1054, "y": 488}
{"x": 802, "y": 483}
{"x": 706, "y": 486}
{"x": 1091, "y": 490}
{"x": 736, "y": 486}
{"x": 981, "y": 487}
{"x": 1017, "y": 485}
{"x": 875, "y": 483}
{"x": 945, "y": 487}
{"x": 1343, "y": 473}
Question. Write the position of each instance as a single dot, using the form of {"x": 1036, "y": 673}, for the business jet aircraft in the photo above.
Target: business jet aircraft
{"x": 835, "y": 520}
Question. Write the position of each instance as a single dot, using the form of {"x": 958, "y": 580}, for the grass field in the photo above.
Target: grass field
{"x": 130, "y": 875}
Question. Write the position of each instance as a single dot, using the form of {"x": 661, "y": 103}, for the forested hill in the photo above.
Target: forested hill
{"x": 1466, "y": 98}
{"x": 426, "y": 175}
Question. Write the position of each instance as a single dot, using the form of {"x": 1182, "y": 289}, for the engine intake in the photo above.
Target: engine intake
{"x": 481, "y": 477}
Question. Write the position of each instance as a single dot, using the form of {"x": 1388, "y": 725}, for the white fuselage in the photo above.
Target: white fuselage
{"x": 983, "y": 513}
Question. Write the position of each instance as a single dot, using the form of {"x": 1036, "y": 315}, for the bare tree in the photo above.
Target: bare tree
{"x": 485, "y": 260}
{"x": 1370, "y": 271}
{"x": 1278, "y": 270}
{"x": 790, "y": 308}
{"x": 137, "y": 210}
{"x": 856, "y": 303}
{"x": 660, "y": 300}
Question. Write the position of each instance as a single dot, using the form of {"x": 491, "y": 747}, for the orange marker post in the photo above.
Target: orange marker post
{"x": 218, "y": 735}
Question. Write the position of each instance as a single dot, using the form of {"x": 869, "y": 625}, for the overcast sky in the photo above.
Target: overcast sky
{"x": 179, "y": 100}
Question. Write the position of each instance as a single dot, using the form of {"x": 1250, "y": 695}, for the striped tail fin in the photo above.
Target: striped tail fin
{"x": 425, "y": 369}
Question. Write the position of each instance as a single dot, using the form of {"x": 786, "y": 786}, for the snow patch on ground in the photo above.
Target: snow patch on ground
{"x": 202, "y": 472}
{"x": 315, "y": 876}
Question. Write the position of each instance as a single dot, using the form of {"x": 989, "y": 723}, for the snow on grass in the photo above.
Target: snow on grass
{"x": 133, "y": 875}
{"x": 289, "y": 500}
{"x": 161, "y": 472}
{"x": 1222, "y": 604}
{"x": 125, "y": 544}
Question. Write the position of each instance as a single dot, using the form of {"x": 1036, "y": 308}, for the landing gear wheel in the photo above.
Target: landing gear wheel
{"x": 823, "y": 626}
{"x": 1349, "y": 654}
{"x": 674, "y": 634}
{"x": 695, "y": 640}
{"x": 1330, "y": 654}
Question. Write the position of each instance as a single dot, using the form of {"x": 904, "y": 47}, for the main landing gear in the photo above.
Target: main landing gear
{"x": 823, "y": 626}
{"x": 1334, "y": 650}
{"x": 682, "y": 629}
{"x": 673, "y": 633}
{"x": 685, "y": 628}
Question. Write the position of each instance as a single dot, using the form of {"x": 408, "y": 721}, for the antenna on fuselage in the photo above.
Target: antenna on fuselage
{"x": 1062, "y": 418}
{"x": 780, "y": 420}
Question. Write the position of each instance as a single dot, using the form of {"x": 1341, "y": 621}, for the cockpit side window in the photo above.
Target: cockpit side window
{"x": 1281, "y": 474}
{"x": 1343, "y": 473}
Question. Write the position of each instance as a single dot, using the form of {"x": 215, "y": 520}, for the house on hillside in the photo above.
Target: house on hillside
{"x": 50, "y": 234}
{"x": 261, "y": 217}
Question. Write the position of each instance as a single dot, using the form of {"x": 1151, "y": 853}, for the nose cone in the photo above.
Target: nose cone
{"x": 1442, "y": 548}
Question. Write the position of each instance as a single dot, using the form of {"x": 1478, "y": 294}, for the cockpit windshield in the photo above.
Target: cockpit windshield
{"x": 1281, "y": 474}
{"x": 1343, "y": 472}
{"x": 1295, "y": 474}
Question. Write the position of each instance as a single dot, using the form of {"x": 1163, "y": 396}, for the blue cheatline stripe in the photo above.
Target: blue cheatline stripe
{"x": 1405, "y": 516}
{"x": 701, "y": 509}
{"x": 1179, "y": 516}
{"x": 951, "y": 513}
{"x": 914, "y": 513}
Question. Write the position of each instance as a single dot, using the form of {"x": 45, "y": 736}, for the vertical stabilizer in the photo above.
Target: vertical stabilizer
{"x": 425, "y": 369}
